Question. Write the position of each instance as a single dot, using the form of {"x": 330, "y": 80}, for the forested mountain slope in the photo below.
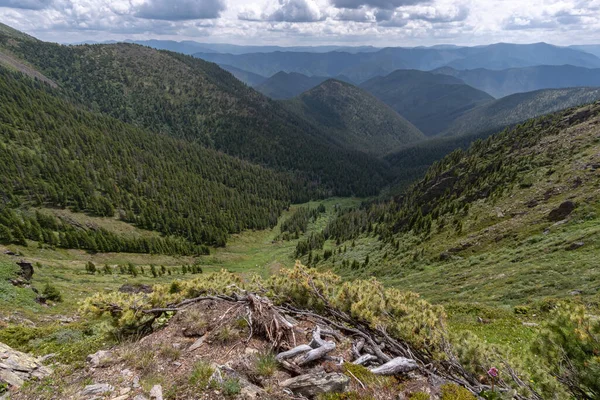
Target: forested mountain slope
{"x": 248, "y": 78}
{"x": 188, "y": 98}
{"x": 430, "y": 101}
{"x": 283, "y": 86}
{"x": 354, "y": 118}
{"x": 501, "y": 83}
{"x": 496, "y": 115}
{"x": 510, "y": 221}
{"x": 55, "y": 154}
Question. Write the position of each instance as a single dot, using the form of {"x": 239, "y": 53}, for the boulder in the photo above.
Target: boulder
{"x": 16, "y": 367}
{"x": 575, "y": 246}
{"x": 100, "y": 359}
{"x": 26, "y": 270}
{"x": 562, "y": 212}
{"x": 314, "y": 384}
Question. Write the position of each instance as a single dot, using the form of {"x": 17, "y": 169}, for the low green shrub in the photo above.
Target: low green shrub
{"x": 52, "y": 293}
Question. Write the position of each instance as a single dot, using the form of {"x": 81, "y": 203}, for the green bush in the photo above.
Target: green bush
{"x": 265, "y": 364}
{"x": 52, "y": 293}
{"x": 231, "y": 387}
{"x": 570, "y": 345}
{"x": 521, "y": 310}
{"x": 419, "y": 396}
{"x": 451, "y": 391}
{"x": 201, "y": 374}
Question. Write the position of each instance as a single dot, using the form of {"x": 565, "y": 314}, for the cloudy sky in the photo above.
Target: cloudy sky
{"x": 310, "y": 22}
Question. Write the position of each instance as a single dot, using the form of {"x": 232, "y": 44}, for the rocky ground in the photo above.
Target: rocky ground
{"x": 212, "y": 349}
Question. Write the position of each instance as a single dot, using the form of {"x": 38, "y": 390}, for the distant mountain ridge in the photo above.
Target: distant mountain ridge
{"x": 360, "y": 67}
{"x": 501, "y": 83}
{"x": 353, "y": 118}
{"x": 511, "y": 110}
{"x": 285, "y": 85}
{"x": 248, "y": 78}
{"x": 430, "y": 101}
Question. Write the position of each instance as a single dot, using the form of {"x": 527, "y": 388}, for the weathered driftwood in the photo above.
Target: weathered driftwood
{"x": 318, "y": 353}
{"x": 357, "y": 347}
{"x": 399, "y": 365}
{"x": 303, "y": 348}
{"x": 317, "y": 341}
{"x": 362, "y": 360}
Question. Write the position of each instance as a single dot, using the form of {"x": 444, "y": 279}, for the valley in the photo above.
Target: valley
{"x": 422, "y": 217}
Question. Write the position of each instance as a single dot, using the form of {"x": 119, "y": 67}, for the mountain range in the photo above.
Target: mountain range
{"x": 360, "y": 67}
{"x": 431, "y": 102}
{"x": 505, "y": 82}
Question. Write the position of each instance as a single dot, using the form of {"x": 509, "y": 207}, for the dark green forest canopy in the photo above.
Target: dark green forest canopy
{"x": 195, "y": 100}
{"x": 53, "y": 153}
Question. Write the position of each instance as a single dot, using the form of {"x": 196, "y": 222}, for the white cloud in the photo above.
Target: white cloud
{"x": 291, "y": 22}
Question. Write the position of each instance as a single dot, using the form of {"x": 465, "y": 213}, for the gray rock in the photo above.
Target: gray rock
{"x": 97, "y": 389}
{"x": 156, "y": 393}
{"x": 101, "y": 358}
{"x": 198, "y": 343}
{"x": 314, "y": 384}
{"x": 140, "y": 397}
{"x": 575, "y": 246}
{"x": 562, "y": 212}
{"x": 16, "y": 367}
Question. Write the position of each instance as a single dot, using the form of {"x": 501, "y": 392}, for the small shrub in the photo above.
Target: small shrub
{"x": 225, "y": 335}
{"x": 451, "y": 391}
{"x": 265, "y": 364}
{"x": 169, "y": 352}
{"x": 52, "y": 293}
{"x": 142, "y": 360}
{"x": 90, "y": 267}
{"x": 521, "y": 310}
{"x": 231, "y": 387}
{"x": 201, "y": 375}
{"x": 419, "y": 396}
{"x": 193, "y": 323}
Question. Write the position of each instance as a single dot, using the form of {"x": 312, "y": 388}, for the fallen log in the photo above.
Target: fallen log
{"x": 318, "y": 353}
{"x": 399, "y": 365}
{"x": 362, "y": 360}
{"x": 303, "y": 348}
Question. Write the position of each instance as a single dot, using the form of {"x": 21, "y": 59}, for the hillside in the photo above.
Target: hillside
{"x": 353, "y": 118}
{"x": 188, "y": 98}
{"x": 57, "y": 155}
{"x": 248, "y": 78}
{"x": 283, "y": 86}
{"x": 496, "y": 115}
{"x": 360, "y": 67}
{"x": 430, "y": 101}
{"x": 503, "y": 83}
{"x": 510, "y": 221}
